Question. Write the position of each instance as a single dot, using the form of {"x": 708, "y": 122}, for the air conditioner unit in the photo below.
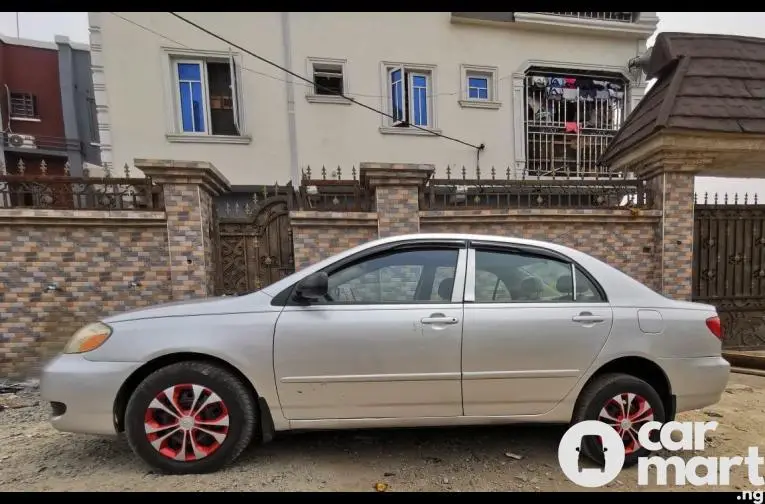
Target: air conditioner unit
{"x": 22, "y": 141}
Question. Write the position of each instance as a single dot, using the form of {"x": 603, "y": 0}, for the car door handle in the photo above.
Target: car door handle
{"x": 439, "y": 320}
{"x": 588, "y": 318}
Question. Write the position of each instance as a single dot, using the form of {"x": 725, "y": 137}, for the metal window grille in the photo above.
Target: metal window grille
{"x": 569, "y": 122}
{"x": 23, "y": 105}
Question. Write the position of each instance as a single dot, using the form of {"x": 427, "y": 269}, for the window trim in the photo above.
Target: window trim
{"x": 510, "y": 248}
{"x": 311, "y": 96}
{"x": 491, "y": 73}
{"x": 386, "y": 123}
{"x": 173, "y": 125}
{"x": 286, "y": 296}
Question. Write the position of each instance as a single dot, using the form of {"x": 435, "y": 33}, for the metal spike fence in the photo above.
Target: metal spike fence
{"x": 39, "y": 185}
{"x": 33, "y": 185}
{"x": 725, "y": 199}
{"x": 329, "y": 190}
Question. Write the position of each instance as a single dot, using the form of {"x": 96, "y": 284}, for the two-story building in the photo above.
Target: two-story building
{"x": 541, "y": 93}
{"x": 47, "y": 106}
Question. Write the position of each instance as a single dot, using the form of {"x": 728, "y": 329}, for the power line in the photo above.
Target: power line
{"x": 186, "y": 46}
{"x": 261, "y": 74}
{"x": 329, "y": 90}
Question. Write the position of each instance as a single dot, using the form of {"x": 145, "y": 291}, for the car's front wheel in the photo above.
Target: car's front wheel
{"x": 624, "y": 402}
{"x": 190, "y": 417}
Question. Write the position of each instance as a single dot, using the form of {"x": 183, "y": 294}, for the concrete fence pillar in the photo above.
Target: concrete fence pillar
{"x": 188, "y": 191}
{"x": 673, "y": 194}
{"x": 397, "y": 190}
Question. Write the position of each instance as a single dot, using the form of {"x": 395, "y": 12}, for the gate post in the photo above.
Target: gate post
{"x": 672, "y": 193}
{"x": 188, "y": 191}
{"x": 397, "y": 188}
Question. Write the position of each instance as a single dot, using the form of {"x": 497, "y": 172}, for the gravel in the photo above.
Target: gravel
{"x": 35, "y": 457}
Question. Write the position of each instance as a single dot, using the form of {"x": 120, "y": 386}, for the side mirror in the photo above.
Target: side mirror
{"x": 315, "y": 286}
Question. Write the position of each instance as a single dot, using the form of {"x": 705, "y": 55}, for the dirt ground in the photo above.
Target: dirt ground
{"x": 35, "y": 457}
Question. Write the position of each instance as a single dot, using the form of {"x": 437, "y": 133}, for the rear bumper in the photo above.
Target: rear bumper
{"x": 696, "y": 382}
{"x": 83, "y": 393}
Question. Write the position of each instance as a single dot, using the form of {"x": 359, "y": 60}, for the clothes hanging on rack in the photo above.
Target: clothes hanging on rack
{"x": 587, "y": 102}
{"x": 570, "y": 94}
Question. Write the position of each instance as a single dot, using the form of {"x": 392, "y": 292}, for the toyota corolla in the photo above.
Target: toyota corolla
{"x": 416, "y": 330}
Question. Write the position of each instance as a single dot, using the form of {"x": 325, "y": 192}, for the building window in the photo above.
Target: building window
{"x": 410, "y": 96}
{"x": 24, "y": 106}
{"x": 207, "y": 97}
{"x": 329, "y": 79}
{"x": 409, "y": 102}
{"x": 479, "y": 87}
{"x": 570, "y": 118}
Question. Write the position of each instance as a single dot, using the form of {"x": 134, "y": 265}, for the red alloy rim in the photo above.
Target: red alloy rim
{"x": 627, "y": 413}
{"x": 186, "y": 422}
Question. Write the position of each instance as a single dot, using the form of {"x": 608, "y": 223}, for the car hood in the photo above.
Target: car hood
{"x": 202, "y": 306}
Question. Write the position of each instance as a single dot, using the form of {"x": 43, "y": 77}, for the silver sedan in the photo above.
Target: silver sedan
{"x": 416, "y": 330}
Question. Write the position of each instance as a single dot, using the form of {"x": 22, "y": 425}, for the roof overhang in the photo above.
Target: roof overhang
{"x": 703, "y": 153}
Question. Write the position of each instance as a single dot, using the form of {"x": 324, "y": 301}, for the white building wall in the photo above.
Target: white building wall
{"x": 136, "y": 104}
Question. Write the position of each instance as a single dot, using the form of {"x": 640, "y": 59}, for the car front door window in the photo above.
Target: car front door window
{"x": 396, "y": 278}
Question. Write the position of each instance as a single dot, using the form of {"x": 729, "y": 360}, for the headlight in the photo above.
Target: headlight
{"x": 88, "y": 338}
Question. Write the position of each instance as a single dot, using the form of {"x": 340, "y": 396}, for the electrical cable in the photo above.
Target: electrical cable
{"x": 255, "y": 72}
{"x": 329, "y": 90}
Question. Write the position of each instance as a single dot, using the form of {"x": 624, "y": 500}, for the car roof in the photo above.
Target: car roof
{"x": 467, "y": 236}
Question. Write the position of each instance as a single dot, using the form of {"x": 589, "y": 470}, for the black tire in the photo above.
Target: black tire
{"x": 595, "y": 396}
{"x": 237, "y": 400}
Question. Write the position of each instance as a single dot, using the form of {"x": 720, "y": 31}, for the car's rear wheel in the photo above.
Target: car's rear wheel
{"x": 624, "y": 402}
{"x": 189, "y": 418}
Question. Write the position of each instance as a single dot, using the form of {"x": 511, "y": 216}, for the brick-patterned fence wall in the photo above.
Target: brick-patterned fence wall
{"x": 62, "y": 268}
{"x": 620, "y": 238}
{"x": 317, "y": 235}
{"x": 634, "y": 239}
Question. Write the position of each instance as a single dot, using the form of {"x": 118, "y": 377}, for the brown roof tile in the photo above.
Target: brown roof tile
{"x": 704, "y": 83}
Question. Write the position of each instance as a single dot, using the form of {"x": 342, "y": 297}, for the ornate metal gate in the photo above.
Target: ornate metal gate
{"x": 255, "y": 242}
{"x": 729, "y": 267}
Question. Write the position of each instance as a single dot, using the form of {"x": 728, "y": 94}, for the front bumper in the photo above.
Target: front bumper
{"x": 83, "y": 392}
{"x": 696, "y": 382}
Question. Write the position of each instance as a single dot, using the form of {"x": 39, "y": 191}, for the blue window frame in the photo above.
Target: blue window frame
{"x": 409, "y": 97}
{"x": 419, "y": 100}
{"x": 191, "y": 97}
{"x": 478, "y": 88}
{"x": 398, "y": 90}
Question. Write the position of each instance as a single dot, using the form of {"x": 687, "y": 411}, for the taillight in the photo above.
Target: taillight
{"x": 713, "y": 323}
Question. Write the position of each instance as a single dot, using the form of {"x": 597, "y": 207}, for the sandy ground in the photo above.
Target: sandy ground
{"x": 35, "y": 457}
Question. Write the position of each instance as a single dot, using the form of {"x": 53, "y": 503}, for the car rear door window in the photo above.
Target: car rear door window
{"x": 526, "y": 278}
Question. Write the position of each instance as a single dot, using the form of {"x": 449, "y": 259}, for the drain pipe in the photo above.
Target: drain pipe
{"x": 290, "y": 86}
